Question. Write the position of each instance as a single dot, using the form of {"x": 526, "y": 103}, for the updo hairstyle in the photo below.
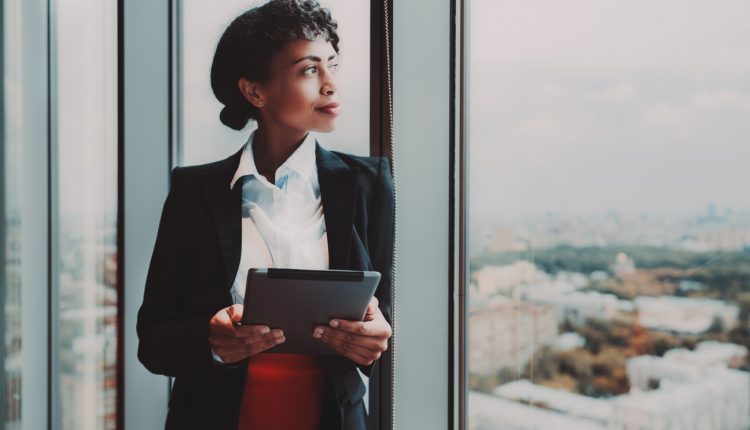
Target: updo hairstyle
{"x": 252, "y": 40}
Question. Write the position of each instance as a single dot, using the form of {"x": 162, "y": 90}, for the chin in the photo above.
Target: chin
{"x": 326, "y": 128}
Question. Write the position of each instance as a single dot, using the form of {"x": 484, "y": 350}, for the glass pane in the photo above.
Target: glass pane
{"x": 86, "y": 187}
{"x": 11, "y": 209}
{"x": 610, "y": 219}
{"x": 206, "y": 139}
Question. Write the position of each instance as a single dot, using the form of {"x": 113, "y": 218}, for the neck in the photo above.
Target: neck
{"x": 272, "y": 147}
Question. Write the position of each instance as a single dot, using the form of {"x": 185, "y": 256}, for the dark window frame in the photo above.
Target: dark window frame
{"x": 459, "y": 188}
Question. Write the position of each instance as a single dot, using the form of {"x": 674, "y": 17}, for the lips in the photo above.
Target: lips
{"x": 331, "y": 109}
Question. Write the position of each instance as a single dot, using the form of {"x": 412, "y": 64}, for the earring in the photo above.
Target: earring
{"x": 260, "y": 103}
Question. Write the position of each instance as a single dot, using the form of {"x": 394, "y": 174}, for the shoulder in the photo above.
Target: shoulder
{"x": 189, "y": 177}
{"x": 374, "y": 181}
{"x": 372, "y": 170}
{"x": 183, "y": 180}
{"x": 363, "y": 163}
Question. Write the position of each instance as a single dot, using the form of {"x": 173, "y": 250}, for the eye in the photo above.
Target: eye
{"x": 307, "y": 70}
{"x": 334, "y": 67}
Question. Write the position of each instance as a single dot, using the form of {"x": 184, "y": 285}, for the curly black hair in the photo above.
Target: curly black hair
{"x": 252, "y": 40}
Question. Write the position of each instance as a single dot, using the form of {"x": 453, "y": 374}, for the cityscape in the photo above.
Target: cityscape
{"x": 611, "y": 322}
{"x": 87, "y": 325}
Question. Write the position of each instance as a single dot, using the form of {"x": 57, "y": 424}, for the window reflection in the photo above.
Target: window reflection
{"x": 86, "y": 185}
{"x": 205, "y": 139}
{"x": 610, "y": 226}
{"x": 11, "y": 278}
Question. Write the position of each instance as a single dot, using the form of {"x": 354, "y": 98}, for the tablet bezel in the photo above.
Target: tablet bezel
{"x": 296, "y": 300}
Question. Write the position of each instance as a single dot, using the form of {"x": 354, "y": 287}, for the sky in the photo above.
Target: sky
{"x": 588, "y": 105}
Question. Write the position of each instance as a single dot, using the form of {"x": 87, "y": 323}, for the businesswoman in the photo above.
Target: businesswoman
{"x": 282, "y": 200}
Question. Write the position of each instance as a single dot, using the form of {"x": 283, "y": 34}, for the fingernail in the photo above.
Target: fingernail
{"x": 280, "y": 340}
{"x": 278, "y": 333}
{"x": 265, "y": 330}
{"x": 334, "y": 323}
{"x": 318, "y": 332}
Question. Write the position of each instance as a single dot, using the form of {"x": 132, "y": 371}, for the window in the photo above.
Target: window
{"x": 10, "y": 230}
{"x": 609, "y": 221}
{"x": 23, "y": 215}
{"x": 85, "y": 216}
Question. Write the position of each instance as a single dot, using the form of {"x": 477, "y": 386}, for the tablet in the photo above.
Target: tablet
{"x": 296, "y": 300}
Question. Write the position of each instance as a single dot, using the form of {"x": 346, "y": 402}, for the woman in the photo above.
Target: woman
{"x": 281, "y": 201}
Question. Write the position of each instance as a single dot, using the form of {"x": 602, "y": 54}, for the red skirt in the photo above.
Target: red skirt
{"x": 282, "y": 392}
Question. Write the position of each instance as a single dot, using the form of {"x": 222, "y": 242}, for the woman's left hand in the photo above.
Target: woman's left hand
{"x": 360, "y": 341}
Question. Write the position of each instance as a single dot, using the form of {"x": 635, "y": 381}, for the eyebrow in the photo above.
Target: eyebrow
{"x": 313, "y": 58}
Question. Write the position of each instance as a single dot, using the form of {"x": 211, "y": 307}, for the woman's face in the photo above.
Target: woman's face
{"x": 301, "y": 93}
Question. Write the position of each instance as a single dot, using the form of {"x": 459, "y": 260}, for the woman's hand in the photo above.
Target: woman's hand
{"x": 360, "y": 341}
{"x": 236, "y": 343}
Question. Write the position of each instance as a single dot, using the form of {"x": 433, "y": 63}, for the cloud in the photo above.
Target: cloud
{"x": 664, "y": 114}
{"x": 619, "y": 93}
{"x": 719, "y": 100}
{"x": 702, "y": 114}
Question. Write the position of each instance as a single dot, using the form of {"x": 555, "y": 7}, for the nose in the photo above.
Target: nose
{"x": 329, "y": 86}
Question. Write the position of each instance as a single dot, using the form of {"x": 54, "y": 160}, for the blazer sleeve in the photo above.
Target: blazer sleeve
{"x": 169, "y": 343}
{"x": 381, "y": 226}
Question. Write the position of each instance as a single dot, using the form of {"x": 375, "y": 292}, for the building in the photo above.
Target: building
{"x": 709, "y": 353}
{"x": 623, "y": 265}
{"x": 576, "y": 306}
{"x": 488, "y": 412}
{"x": 494, "y": 280}
{"x": 598, "y": 411}
{"x": 568, "y": 341}
{"x": 682, "y": 390}
{"x": 686, "y": 391}
{"x": 506, "y": 333}
{"x": 685, "y": 315}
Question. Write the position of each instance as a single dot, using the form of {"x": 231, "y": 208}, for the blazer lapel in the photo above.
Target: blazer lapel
{"x": 338, "y": 193}
{"x": 226, "y": 209}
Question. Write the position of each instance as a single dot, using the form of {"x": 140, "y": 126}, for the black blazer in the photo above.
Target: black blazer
{"x": 196, "y": 258}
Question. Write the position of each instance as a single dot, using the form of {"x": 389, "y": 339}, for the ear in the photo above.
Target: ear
{"x": 251, "y": 91}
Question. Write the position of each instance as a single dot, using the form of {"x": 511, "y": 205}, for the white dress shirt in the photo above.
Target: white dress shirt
{"x": 283, "y": 224}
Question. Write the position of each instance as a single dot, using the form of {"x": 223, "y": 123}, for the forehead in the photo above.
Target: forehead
{"x": 297, "y": 49}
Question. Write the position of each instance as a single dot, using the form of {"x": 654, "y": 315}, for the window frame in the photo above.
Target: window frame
{"x": 460, "y": 270}
{"x": 423, "y": 103}
{"x": 145, "y": 166}
{"x": 34, "y": 204}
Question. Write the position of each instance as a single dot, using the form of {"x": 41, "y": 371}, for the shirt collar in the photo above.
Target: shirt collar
{"x": 302, "y": 161}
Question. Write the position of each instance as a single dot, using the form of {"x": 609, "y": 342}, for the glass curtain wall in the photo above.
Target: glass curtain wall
{"x": 23, "y": 215}
{"x": 84, "y": 237}
{"x": 609, "y": 215}
{"x": 10, "y": 217}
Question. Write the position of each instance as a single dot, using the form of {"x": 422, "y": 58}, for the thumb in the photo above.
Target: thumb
{"x": 235, "y": 313}
{"x": 373, "y": 306}
{"x": 371, "y": 312}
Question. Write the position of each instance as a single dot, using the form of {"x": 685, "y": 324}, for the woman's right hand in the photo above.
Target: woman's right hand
{"x": 237, "y": 343}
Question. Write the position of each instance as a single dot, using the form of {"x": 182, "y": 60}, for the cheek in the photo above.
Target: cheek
{"x": 297, "y": 100}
